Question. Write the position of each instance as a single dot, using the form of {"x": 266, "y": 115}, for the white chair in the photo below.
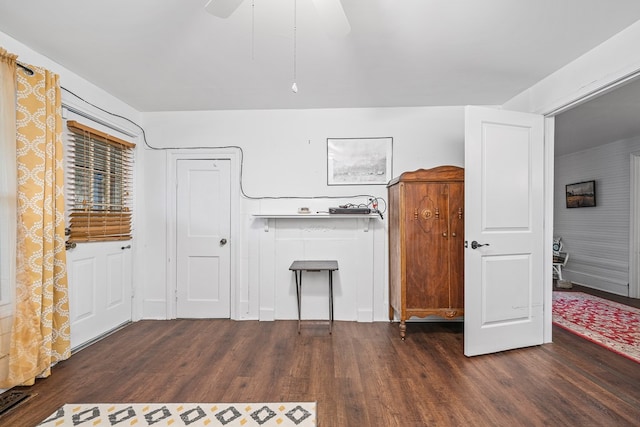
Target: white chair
{"x": 557, "y": 245}
{"x": 560, "y": 258}
{"x": 559, "y": 261}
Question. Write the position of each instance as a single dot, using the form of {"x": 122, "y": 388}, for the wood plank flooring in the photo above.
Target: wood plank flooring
{"x": 361, "y": 375}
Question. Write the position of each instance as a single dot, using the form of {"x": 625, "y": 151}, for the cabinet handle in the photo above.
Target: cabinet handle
{"x": 437, "y": 213}
{"x": 453, "y": 234}
{"x": 444, "y": 234}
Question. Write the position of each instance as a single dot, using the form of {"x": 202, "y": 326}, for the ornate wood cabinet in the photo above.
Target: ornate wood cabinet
{"x": 426, "y": 244}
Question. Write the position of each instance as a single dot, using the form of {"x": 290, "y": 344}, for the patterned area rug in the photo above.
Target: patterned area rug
{"x": 610, "y": 324}
{"x": 184, "y": 414}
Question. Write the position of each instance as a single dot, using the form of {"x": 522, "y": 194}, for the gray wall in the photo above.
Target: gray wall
{"x": 597, "y": 238}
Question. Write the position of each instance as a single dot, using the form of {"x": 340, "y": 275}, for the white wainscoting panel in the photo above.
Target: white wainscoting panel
{"x": 350, "y": 241}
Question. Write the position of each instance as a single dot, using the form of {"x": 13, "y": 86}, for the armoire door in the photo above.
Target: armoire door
{"x": 456, "y": 244}
{"x": 427, "y": 257}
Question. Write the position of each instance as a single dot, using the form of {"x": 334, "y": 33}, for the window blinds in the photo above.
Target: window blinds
{"x": 99, "y": 185}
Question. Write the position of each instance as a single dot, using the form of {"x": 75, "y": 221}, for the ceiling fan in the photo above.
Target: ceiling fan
{"x": 330, "y": 13}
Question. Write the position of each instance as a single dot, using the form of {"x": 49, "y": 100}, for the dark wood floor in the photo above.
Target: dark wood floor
{"x": 361, "y": 375}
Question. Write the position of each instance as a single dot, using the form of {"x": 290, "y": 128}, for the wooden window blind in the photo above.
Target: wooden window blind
{"x": 99, "y": 185}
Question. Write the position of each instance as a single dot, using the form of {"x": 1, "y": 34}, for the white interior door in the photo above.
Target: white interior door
{"x": 100, "y": 289}
{"x": 203, "y": 233}
{"x": 504, "y": 201}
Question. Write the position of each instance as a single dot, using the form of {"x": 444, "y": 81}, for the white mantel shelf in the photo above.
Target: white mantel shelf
{"x": 267, "y": 217}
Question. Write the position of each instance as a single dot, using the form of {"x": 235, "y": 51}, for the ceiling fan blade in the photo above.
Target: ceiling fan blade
{"x": 222, "y": 8}
{"x": 333, "y": 18}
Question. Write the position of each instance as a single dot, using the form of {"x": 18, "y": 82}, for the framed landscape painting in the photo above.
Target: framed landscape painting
{"x": 581, "y": 194}
{"x": 359, "y": 161}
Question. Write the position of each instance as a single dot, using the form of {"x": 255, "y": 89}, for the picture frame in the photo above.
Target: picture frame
{"x": 581, "y": 194}
{"x": 359, "y": 161}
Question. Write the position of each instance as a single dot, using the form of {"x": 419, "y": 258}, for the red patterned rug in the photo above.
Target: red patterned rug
{"x": 612, "y": 325}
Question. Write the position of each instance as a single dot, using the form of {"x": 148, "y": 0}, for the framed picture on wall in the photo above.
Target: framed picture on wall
{"x": 359, "y": 161}
{"x": 581, "y": 194}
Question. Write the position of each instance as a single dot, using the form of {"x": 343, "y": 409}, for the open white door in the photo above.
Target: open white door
{"x": 504, "y": 201}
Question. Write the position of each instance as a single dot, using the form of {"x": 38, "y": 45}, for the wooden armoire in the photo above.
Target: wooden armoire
{"x": 426, "y": 244}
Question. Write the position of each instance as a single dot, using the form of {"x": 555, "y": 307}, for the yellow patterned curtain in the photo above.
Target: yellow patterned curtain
{"x": 40, "y": 333}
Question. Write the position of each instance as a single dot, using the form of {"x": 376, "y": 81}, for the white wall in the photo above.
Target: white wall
{"x": 597, "y": 238}
{"x": 285, "y": 156}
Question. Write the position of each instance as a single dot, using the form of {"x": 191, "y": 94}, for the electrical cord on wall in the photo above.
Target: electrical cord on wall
{"x": 222, "y": 147}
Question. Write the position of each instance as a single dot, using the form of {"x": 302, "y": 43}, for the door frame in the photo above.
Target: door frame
{"x": 549, "y": 188}
{"x": 581, "y": 95}
{"x": 634, "y": 241}
{"x": 172, "y": 279}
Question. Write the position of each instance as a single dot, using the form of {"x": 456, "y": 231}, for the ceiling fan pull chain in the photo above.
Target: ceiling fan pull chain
{"x": 294, "y": 87}
{"x": 253, "y": 26}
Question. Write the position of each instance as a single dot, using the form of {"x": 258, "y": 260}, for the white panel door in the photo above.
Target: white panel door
{"x": 203, "y": 218}
{"x": 504, "y": 263}
{"x": 100, "y": 289}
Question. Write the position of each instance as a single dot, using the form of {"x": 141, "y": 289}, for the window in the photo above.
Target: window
{"x": 99, "y": 185}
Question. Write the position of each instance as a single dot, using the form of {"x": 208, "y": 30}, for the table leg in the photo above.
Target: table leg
{"x": 298, "y": 292}
{"x": 330, "y": 300}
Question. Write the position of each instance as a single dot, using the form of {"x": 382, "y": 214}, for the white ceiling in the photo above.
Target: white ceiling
{"x": 611, "y": 117}
{"x": 166, "y": 55}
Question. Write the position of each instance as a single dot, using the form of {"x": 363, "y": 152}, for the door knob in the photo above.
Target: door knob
{"x": 223, "y": 242}
{"x": 476, "y": 245}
